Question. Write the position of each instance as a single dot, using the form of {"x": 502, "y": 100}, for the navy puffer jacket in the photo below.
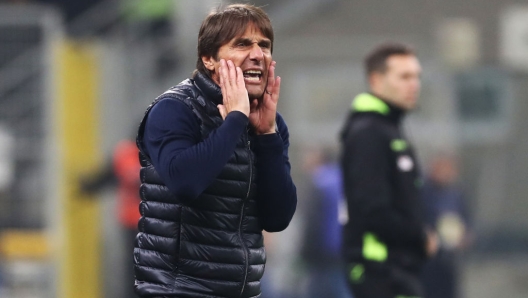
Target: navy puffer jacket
{"x": 211, "y": 246}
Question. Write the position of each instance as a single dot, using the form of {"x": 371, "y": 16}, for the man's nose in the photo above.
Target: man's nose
{"x": 256, "y": 53}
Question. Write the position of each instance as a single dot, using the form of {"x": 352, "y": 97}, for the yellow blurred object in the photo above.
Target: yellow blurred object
{"x": 78, "y": 84}
{"x": 23, "y": 244}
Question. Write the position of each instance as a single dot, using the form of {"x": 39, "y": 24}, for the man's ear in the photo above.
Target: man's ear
{"x": 208, "y": 62}
{"x": 375, "y": 79}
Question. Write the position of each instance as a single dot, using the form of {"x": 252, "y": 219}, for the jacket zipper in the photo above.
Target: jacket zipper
{"x": 242, "y": 216}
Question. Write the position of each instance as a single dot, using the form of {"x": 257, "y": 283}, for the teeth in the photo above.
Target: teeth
{"x": 252, "y": 75}
{"x": 257, "y": 72}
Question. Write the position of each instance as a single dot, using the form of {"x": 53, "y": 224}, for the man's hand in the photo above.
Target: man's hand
{"x": 234, "y": 92}
{"x": 262, "y": 115}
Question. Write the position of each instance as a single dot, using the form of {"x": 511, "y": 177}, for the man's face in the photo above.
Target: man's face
{"x": 252, "y": 53}
{"x": 400, "y": 84}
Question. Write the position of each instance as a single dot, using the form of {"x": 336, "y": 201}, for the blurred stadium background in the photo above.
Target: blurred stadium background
{"x": 76, "y": 76}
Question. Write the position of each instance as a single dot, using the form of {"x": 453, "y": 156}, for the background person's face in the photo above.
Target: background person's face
{"x": 444, "y": 171}
{"x": 400, "y": 84}
{"x": 252, "y": 53}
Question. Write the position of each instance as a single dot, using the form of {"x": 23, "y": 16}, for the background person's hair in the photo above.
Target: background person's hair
{"x": 222, "y": 25}
{"x": 376, "y": 60}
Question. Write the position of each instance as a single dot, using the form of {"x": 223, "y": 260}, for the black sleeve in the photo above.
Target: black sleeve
{"x": 277, "y": 194}
{"x": 368, "y": 189}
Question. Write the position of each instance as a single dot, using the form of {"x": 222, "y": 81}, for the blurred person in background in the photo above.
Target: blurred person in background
{"x": 152, "y": 20}
{"x": 216, "y": 171}
{"x": 385, "y": 240}
{"x": 321, "y": 244}
{"x": 446, "y": 211}
{"x": 122, "y": 172}
{"x": 126, "y": 168}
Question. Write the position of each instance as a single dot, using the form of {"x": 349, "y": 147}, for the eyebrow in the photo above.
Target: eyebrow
{"x": 266, "y": 42}
{"x": 243, "y": 40}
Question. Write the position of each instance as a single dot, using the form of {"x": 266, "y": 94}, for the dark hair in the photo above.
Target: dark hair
{"x": 376, "y": 60}
{"x": 222, "y": 25}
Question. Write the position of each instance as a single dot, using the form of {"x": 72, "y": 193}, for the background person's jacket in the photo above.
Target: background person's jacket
{"x": 204, "y": 208}
{"x": 126, "y": 168}
{"x": 381, "y": 184}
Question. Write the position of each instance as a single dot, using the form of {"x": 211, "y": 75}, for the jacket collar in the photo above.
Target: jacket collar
{"x": 208, "y": 87}
{"x": 369, "y": 103}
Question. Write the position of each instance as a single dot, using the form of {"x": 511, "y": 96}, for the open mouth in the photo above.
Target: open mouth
{"x": 252, "y": 75}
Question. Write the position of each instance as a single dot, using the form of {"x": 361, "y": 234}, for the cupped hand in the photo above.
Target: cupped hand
{"x": 262, "y": 113}
{"x": 234, "y": 92}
